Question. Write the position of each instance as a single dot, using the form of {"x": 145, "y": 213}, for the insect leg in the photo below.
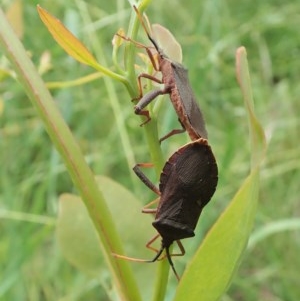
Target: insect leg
{"x": 150, "y": 242}
{"x": 173, "y": 132}
{"x": 181, "y": 248}
{"x": 147, "y": 76}
{"x": 143, "y": 177}
{"x": 148, "y": 245}
{"x": 152, "y": 59}
{"x": 146, "y": 209}
{"x": 159, "y": 252}
{"x": 129, "y": 258}
{"x": 146, "y": 99}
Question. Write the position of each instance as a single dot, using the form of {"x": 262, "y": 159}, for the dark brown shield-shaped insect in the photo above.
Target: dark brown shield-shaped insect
{"x": 187, "y": 183}
{"x": 176, "y": 84}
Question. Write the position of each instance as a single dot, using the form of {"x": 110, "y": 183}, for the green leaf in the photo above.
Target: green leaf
{"x": 66, "y": 39}
{"x": 209, "y": 273}
{"x": 73, "y": 46}
{"x": 77, "y": 236}
{"x": 78, "y": 240}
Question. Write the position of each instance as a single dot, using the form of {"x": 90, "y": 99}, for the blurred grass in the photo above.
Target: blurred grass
{"x": 32, "y": 176}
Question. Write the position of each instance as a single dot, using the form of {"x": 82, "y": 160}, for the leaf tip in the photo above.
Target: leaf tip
{"x": 239, "y": 55}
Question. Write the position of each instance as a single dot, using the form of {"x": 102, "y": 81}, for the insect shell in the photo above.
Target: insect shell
{"x": 187, "y": 183}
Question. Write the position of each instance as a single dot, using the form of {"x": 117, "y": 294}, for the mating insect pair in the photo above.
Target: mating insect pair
{"x": 189, "y": 178}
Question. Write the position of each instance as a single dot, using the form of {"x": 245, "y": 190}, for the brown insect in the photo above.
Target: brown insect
{"x": 187, "y": 183}
{"x": 176, "y": 84}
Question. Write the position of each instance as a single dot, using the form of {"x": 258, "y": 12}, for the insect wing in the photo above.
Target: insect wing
{"x": 188, "y": 100}
{"x": 187, "y": 183}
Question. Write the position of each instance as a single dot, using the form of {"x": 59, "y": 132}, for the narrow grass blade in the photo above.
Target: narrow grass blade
{"x": 70, "y": 152}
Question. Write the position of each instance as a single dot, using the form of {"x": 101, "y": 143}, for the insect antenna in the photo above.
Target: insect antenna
{"x": 171, "y": 262}
{"x": 145, "y": 28}
{"x": 169, "y": 259}
{"x": 157, "y": 255}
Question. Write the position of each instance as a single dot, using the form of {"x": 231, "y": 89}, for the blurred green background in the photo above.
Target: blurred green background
{"x": 32, "y": 175}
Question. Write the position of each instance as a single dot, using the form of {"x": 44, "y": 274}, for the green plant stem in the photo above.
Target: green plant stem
{"x": 152, "y": 139}
{"x": 115, "y": 101}
{"x": 130, "y": 51}
{"x": 80, "y": 173}
{"x": 130, "y": 48}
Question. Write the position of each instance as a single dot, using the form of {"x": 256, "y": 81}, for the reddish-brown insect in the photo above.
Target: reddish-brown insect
{"x": 187, "y": 183}
{"x": 176, "y": 84}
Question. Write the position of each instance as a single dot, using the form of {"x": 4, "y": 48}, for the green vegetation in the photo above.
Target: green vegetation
{"x": 100, "y": 115}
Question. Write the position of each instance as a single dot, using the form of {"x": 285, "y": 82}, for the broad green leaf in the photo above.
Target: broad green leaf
{"x": 209, "y": 274}
{"x": 66, "y": 39}
{"x": 78, "y": 239}
{"x": 76, "y": 235}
